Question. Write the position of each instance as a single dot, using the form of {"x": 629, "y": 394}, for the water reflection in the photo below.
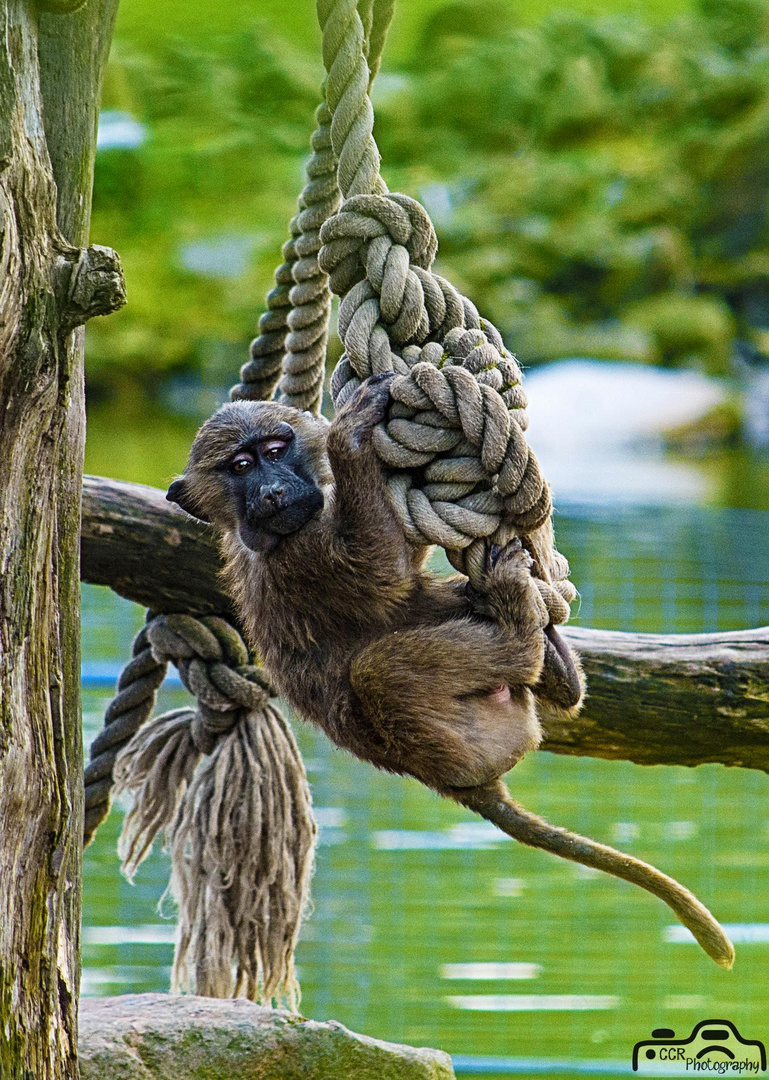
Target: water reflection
{"x": 423, "y": 916}
{"x": 598, "y": 430}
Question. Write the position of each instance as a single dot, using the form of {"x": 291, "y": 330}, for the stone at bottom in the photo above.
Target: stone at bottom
{"x": 165, "y": 1037}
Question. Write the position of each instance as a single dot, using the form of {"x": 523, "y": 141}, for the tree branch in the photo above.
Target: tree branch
{"x": 680, "y": 699}
{"x": 675, "y": 699}
{"x": 148, "y": 550}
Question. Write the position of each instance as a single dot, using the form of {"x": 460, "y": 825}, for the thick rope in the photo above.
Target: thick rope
{"x": 293, "y": 332}
{"x": 461, "y": 472}
{"x": 225, "y": 786}
{"x": 131, "y": 706}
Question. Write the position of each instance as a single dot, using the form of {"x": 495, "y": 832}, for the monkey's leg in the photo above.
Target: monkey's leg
{"x": 447, "y": 703}
{"x": 493, "y": 802}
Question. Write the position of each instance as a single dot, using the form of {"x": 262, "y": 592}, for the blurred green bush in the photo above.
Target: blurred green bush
{"x": 599, "y": 184}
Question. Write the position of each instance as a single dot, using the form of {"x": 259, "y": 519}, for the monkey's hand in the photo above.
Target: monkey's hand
{"x": 356, "y": 420}
{"x": 363, "y": 515}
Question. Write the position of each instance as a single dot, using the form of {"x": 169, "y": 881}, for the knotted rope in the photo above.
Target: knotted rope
{"x": 462, "y": 474}
{"x": 225, "y": 786}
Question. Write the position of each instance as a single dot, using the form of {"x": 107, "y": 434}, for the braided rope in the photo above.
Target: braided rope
{"x": 290, "y": 350}
{"x": 461, "y": 472}
{"x": 225, "y": 785}
{"x": 131, "y": 706}
{"x": 293, "y": 332}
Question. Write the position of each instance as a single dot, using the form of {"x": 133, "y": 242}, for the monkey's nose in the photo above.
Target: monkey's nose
{"x": 273, "y": 494}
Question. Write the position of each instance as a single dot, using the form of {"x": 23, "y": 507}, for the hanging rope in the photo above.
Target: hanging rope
{"x": 225, "y": 786}
{"x": 293, "y": 332}
{"x": 131, "y": 706}
{"x": 462, "y": 475}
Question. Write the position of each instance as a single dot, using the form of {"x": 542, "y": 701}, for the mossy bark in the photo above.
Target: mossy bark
{"x": 42, "y": 426}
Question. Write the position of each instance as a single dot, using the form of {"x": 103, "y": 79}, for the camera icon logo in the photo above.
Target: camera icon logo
{"x": 715, "y": 1047}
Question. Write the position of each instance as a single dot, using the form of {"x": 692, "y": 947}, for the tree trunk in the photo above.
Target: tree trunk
{"x": 672, "y": 699}
{"x": 50, "y": 78}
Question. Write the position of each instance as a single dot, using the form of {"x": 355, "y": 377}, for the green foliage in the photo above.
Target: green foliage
{"x": 221, "y": 164}
{"x": 598, "y": 183}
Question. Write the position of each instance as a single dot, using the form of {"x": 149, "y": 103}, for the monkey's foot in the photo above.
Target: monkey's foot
{"x": 514, "y": 554}
{"x": 562, "y": 682}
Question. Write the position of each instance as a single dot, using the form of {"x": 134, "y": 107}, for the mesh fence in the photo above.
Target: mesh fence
{"x": 430, "y": 929}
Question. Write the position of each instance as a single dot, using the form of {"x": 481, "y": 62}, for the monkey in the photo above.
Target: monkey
{"x": 417, "y": 674}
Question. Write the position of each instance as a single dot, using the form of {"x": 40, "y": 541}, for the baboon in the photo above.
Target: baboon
{"x": 415, "y": 673}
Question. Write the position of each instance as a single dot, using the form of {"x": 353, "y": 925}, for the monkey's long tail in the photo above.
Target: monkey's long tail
{"x": 493, "y": 802}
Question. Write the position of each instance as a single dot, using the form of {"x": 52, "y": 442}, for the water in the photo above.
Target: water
{"x": 429, "y": 928}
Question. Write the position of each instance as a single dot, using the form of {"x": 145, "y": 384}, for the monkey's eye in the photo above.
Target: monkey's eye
{"x": 241, "y": 463}
{"x": 274, "y": 449}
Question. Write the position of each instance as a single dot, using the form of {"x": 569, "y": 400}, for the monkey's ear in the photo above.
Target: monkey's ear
{"x": 179, "y": 493}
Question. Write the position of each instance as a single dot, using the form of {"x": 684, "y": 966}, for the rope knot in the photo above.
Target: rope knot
{"x": 384, "y": 243}
{"x": 458, "y": 397}
{"x": 463, "y": 475}
{"x": 213, "y": 665}
{"x": 364, "y": 219}
{"x": 225, "y": 786}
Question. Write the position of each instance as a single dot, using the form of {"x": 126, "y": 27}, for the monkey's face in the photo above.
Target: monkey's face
{"x": 271, "y": 486}
{"x": 257, "y": 469}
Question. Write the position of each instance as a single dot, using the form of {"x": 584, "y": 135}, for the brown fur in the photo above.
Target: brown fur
{"x": 401, "y": 667}
{"x": 394, "y": 663}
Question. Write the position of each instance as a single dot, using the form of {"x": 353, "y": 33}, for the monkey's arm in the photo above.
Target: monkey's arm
{"x": 363, "y": 514}
{"x": 493, "y": 802}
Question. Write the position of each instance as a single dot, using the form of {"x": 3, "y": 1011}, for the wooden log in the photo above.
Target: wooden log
{"x": 681, "y": 699}
{"x": 149, "y": 550}
{"x": 673, "y": 699}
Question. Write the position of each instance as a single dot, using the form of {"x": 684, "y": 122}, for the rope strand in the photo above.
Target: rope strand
{"x": 290, "y": 350}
